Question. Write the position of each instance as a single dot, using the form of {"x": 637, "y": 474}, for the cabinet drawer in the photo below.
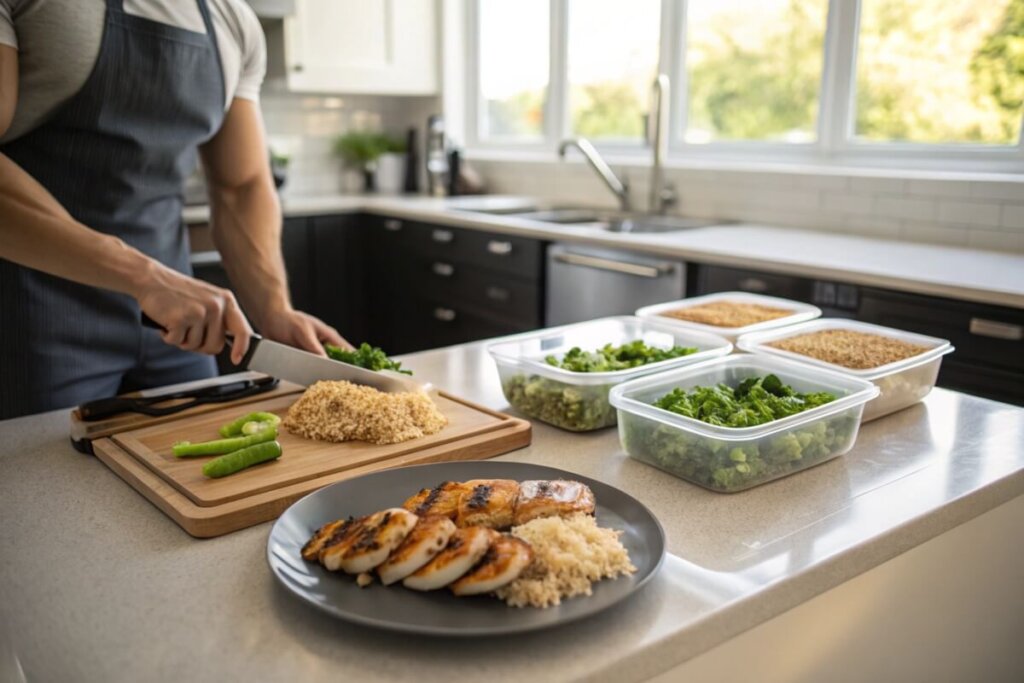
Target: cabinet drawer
{"x": 518, "y": 256}
{"x": 713, "y": 279}
{"x": 428, "y": 323}
{"x": 502, "y": 296}
{"x": 987, "y": 335}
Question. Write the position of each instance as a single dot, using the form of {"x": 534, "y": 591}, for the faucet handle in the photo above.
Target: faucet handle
{"x": 668, "y": 196}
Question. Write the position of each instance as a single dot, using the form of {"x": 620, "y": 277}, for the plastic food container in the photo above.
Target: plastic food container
{"x": 578, "y": 401}
{"x": 801, "y": 313}
{"x": 730, "y": 459}
{"x": 902, "y": 383}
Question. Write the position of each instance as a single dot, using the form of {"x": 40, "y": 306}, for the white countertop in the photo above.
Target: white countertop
{"x": 954, "y": 272}
{"x": 97, "y": 584}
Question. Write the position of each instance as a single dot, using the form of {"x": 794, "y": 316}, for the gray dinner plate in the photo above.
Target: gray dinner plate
{"x": 439, "y": 612}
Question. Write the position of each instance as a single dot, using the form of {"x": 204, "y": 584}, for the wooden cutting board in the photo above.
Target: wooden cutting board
{"x": 212, "y": 507}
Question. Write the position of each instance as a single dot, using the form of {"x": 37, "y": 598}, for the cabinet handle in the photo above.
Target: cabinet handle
{"x": 443, "y": 269}
{"x": 446, "y": 315}
{"x": 393, "y": 225}
{"x": 996, "y": 329}
{"x": 753, "y": 284}
{"x": 498, "y": 293}
{"x": 297, "y": 67}
{"x": 443, "y": 236}
{"x": 499, "y": 248}
{"x": 623, "y": 267}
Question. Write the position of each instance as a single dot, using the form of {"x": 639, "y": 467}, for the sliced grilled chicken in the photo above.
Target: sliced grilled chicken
{"x": 429, "y": 537}
{"x": 502, "y": 564}
{"x": 558, "y": 498}
{"x": 443, "y": 500}
{"x": 464, "y": 550}
{"x": 333, "y": 549}
{"x": 311, "y": 551}
{"x": 382, "y": 533}
{"x": 488, "y": 502}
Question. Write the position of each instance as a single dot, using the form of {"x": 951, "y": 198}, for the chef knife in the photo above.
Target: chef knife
{"x": 304, "y": 368}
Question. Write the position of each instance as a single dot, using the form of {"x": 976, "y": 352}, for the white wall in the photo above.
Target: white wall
{"x": 982, "y": 211}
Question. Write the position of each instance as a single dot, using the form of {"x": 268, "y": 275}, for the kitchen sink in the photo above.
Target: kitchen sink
{"x": 598, "y": 219}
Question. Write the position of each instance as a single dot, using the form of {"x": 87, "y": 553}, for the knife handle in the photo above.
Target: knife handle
{"x": 254, "y": 339}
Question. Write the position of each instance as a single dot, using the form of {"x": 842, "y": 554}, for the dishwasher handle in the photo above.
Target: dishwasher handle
{"x": 624, "y": 267}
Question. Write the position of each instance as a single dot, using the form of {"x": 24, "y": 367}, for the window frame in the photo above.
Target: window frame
{"x": 835, "y": 143}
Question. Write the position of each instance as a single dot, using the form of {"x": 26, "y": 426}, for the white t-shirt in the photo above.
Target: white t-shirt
{"x": 58, "y": 40}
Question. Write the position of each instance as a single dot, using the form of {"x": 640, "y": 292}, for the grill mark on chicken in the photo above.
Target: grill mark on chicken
{"x": 343, "y": 533}
{"x": 428, "y": 502}
{"x": 480, "y": 497}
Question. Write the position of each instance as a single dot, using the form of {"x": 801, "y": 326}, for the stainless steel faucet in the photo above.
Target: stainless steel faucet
{"x": 619, "y": 188}
{"x": 662, "y": 195}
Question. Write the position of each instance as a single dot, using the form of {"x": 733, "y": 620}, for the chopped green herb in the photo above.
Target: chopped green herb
{"x": 576, "y": 408}
{"x": 610, "y": 358}
{"x": 366, "y": 356}
{"x": 754, "y": 401}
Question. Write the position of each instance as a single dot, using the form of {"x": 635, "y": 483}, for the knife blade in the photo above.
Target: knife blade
{"x": 304, "y": 368}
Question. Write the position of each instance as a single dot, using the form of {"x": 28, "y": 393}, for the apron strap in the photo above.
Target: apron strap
{"x": 204, "y": 10}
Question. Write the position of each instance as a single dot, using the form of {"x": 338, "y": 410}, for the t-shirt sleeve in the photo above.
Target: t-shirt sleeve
{"x": 7, "y": 34}
{"x": 254, "y": 56}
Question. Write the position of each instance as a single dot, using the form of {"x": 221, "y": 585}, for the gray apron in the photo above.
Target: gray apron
{"x": 115, "y": 156}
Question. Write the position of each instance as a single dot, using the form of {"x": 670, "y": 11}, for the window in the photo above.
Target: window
{"x": 513, "y": 68}
{"x": 876, "y": 82}
{"x": 754, "y": 69}
{"x": 937, "y": 72}
{"x": 612, "y": 61}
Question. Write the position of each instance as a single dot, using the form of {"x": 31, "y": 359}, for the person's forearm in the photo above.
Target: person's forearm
{"x": 37, "y": 232}
{"x": 246, "y": 222}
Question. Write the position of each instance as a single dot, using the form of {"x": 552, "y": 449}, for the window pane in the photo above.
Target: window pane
{"x": 950, "y": 71}
{"x": 754, "y": 69}
{"x": 514, "y": 39}
{"x": 613, "y": 59}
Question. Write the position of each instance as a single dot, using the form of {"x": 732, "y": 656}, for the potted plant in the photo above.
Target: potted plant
{"x": 364, "y": 150}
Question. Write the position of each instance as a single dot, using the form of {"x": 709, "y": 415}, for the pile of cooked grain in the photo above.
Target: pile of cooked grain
{"x": 342, "y": 411}
{"x": 570, "y": 553}
{"x": 728, "y": 313}
{"x": 850, "y": 349}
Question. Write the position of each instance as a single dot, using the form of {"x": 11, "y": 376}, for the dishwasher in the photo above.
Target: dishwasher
{"x": 585, "y": 282}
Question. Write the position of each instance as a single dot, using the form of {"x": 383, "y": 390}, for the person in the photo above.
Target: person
{"x": 103, "y": 108}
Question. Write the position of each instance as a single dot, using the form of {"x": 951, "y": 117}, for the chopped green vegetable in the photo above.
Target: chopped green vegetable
{"x": 576, "y": 408}
{"x": 366, "y": 356}
{"x": 245, "y": 424}
{"x": 610, "y": 358}
{"x": 241, "y": 459}
{"x": 730, "y": 465}
{"x": 754, "y": 401}
{"x": 188, "y": 449}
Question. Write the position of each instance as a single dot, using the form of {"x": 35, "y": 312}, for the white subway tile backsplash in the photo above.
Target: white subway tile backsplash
{"x": 999, "y": 240}
{"x": 859, "y": 204}
{"x": 878, "y": 185}
{"x": 930, "y": 233}
{"x": 1012, "y": 216}
{"x": 905, "y": 207}
{"x": 823, "y": 182}
{"x": 947, "y": 189}
{"x": 872, "y": 226}
{"x": 972, "y": 213}
{"x": 1009, "y": 191}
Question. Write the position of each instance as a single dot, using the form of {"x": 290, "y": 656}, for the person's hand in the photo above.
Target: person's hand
{"x": 195, "y": 315}
{"x": 300, "y": 330}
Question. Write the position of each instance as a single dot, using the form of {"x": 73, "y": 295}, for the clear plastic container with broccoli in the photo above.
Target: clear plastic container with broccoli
{"x": 740, "y": 421}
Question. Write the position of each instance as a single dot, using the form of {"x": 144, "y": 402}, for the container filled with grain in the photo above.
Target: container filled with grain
{"x": 903, "y": 365}
{"x": 731, "y": 314}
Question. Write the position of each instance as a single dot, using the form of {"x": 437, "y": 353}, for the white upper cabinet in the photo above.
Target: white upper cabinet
{"x": 384, "y": 47}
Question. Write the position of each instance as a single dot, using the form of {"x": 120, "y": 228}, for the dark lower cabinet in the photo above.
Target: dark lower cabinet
{"x": 989, "y": 340}
{"x": 433, "y": 285}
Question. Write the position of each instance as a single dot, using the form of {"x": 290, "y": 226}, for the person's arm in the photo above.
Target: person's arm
{"x": 37, "y": 232}
{"x": 246, "y": 220}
